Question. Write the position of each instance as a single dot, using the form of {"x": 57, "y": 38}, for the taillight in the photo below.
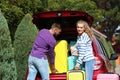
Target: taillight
{"x": 97, "y": 64}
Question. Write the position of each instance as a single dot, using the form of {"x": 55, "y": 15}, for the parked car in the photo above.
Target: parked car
{"x": 102, "y": 50}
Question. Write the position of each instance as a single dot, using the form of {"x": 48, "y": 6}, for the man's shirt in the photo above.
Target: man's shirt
{"x": 44, "y": 44}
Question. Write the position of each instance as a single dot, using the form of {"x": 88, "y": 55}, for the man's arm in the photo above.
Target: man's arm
{"x": 52, "y": 60}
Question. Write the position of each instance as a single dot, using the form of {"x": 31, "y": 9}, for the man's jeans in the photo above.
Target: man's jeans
{"x": 89, "y": 68}
{"x": 35, "y": 65}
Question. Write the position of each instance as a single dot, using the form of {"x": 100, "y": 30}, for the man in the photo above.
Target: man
{"x": 44, "y": 45}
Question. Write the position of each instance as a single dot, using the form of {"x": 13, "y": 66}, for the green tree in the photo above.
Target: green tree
{"x": 24, "y": 38}
{"x": 7, "y": 63}
{"x": 90, "y": 7}
{"x": 83, "y": 5}
{"x": 111, "y": 13}
{"x": 13, "y": 14}
{"x": 14, "y": 11}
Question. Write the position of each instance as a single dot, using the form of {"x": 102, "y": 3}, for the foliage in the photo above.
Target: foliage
{"x": 82, "y": 5}
{"x": 24, "y": 37}
{"x": 13, "y": 15}
{"x": 106, "y": 12}
{"x": 7, "y": 64}
{"x": 111, "y": 14}
{"x": 14, "y": 10}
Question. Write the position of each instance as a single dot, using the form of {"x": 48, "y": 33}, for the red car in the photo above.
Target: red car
{"x": 68, "y": 20}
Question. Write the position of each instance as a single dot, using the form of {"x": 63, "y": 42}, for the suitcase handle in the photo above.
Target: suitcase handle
{"x": 74, "y": 70}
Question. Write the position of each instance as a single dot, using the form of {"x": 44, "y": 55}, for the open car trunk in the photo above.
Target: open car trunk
{"x": 67, "y": 19}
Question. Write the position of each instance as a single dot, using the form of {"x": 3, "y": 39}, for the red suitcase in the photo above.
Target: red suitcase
{"x": 107, "y": 77}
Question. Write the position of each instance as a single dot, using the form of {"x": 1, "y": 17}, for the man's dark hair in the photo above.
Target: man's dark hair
{"x": 56, "y": 25}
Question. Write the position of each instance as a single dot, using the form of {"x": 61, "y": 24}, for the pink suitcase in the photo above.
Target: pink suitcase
{"x": 107, "y": 76}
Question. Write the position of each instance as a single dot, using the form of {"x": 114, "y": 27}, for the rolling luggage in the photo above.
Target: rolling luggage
{"x": 72, "y": 63}
{"x": 61, "y": 55}
{"x": 107, "y": 76}
{"x": 72, "y": 59}
{"x": 76, "y": 75}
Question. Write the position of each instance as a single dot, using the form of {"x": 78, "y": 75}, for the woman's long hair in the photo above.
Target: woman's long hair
{"x": 87, "y": 28}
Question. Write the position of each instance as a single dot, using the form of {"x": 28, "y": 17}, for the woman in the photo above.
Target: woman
{"x": 84, "y": 48}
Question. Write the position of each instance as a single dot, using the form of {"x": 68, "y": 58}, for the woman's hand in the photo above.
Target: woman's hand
{"x": 73, "y": 51}
{"x": 76, "y": 67}
{"x": 72, "y": 48}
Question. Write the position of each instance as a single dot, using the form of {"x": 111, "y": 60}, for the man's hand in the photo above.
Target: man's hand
{"x": 53, "y": 69}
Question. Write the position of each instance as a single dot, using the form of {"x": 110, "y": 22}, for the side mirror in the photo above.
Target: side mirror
{"x": 113, "y": 56}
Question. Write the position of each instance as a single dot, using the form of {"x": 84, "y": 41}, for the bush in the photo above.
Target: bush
{"x": 7, "y": 64}
{"x": 24, "y": 38}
